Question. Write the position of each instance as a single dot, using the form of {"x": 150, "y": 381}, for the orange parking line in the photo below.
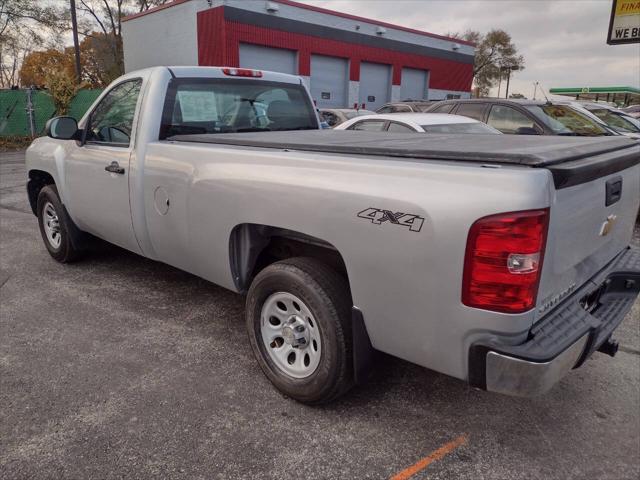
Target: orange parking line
{"x": 429, "y": 459}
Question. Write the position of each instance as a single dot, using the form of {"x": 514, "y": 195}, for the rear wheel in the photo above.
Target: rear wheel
{"x": 299, "y": 325}
{"x": 55, "y": 226}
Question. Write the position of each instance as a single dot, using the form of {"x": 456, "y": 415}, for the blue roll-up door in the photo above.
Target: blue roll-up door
{"x": 375, "y": 84}
{"x": 266, "y": 58}
{"x": 329, "y": 81}
{"x": 413, "y": 85}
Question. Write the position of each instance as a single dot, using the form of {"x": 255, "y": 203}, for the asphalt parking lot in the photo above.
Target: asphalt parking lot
{"x": 120, "y": 367}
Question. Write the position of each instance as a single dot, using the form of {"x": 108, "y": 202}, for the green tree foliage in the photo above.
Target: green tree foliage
{"x": 495, "y": 55}
{"x": 62, "y": 87}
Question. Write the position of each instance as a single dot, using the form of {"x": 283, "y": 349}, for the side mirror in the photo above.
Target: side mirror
{"x": 527, "y": 131}
{"x": 63, "y": 128}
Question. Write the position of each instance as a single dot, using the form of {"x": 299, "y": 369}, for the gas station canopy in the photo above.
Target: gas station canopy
{"x": 619, "y": 95}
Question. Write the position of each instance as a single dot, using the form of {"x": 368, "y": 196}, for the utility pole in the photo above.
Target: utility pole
{"x": 509, "y": 69}
{"x": 506, "y": 95}
{"x": 76, "y": 45}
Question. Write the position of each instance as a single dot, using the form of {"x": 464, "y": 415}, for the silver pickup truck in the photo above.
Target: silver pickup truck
{"x": 503, "y": 261}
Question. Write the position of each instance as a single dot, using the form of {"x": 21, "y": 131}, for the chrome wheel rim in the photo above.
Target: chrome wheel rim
{"x": 51, "y": 225}
{"x": 290, "y": 335}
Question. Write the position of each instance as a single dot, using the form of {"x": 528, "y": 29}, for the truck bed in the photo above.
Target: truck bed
{"x": 571, "y": 160}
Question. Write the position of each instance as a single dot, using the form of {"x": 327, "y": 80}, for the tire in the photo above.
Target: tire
{"x": 55, "y": 226}
{"x": 318, "y": 298}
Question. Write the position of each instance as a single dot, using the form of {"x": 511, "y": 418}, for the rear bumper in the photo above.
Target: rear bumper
{"x": 564, "y": 338}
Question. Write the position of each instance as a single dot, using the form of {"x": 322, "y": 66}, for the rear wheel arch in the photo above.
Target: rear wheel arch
{"x": 252, "y": 247}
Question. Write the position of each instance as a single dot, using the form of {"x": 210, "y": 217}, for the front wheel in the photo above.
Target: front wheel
{"x": 299, "y": 325}
{"x": 55, "y": 226}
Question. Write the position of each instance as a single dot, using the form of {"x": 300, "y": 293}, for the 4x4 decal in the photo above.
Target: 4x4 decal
{"x": 379, "y": 216}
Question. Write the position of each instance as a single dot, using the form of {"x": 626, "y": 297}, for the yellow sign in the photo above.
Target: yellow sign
{"x": 627, "y": 7}
{"x": 624, "y": 25}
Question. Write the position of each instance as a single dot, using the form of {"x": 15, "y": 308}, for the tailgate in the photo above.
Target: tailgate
{"x": 590, "y": 224}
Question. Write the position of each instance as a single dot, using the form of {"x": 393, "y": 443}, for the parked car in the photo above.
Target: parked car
{"x": 525, "y": 117}
{"x": 614, "y": 118}
{"x": 417, "y": 122}
{"x": 406, "y": 106}
{"x": 632, "y": 111}
{"x": 335, "y": 116}
{"x": 500, "y": 260}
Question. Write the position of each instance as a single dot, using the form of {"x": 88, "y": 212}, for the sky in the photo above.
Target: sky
{"x": 563, "y": 41}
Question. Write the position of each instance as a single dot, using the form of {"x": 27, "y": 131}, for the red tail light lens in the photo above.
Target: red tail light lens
{"x": 503, "y": 261}
{"x": 242, "y": 72}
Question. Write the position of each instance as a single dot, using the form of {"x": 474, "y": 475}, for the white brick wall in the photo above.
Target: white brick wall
{"x": 166, "y": 37}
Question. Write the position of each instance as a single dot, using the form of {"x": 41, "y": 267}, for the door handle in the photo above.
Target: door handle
{"x": 115, "y": 168}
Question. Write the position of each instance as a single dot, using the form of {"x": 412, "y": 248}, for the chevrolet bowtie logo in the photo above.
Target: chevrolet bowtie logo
{"x": 607, "y": 226}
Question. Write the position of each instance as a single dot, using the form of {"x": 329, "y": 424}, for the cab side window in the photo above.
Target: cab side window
{"x": 509, "y": 120}
{"x": 472, "y": 110}
{"x": 111, "y": 122}
{"x": 446, "y": 108}
{"x": 400, "y": 128}
{"x": 369, "y": 125}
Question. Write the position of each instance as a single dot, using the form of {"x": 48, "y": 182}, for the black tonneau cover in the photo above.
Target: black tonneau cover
{"x": 572, "y": 160}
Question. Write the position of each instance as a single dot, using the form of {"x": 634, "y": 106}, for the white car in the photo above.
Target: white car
{"x": 417, "y": 122}
{"x": 614, "y": 118}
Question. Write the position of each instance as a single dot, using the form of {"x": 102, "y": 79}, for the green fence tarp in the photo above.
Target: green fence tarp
{"x": 13, "y": 114}
{"x": 14, "y": 120}
{"x": 82, "y": 101}
{"x": 43, "y": 108}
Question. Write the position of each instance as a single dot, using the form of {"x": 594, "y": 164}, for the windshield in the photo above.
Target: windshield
{"x": 357, "y": 113}
{"x": 564, "y": 120}
{"x": 198, "y": 106}
{"x": 618, "y": 121}
{"x": 460, "y": 128}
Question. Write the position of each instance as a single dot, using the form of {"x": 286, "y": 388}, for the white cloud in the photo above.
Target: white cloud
{"x": 563, "y": 41}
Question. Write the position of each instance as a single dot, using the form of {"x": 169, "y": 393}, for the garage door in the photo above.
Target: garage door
{"x": 375, "y": 84}
{"x": 266, "y": 58}
{"x": 329, "y": 81}
{"x": 413, "y": 84}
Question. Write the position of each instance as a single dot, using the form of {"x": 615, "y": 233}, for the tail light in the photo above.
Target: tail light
{"x": 503, "y": 261}
{"x": 242, "y": 72}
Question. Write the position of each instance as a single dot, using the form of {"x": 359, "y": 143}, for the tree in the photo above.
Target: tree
{"x": 101, "y": 21}
{"x": 62, "y": 87}
{"x": 495, "y": 54}
{"x": 38, "y": 66}
{"x": 99, "y": 66}
{"x": 24, "y": 25}
{"x": 29, "y": 25}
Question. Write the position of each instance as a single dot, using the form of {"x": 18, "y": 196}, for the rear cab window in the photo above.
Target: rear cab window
{"x": 203, "y": 105}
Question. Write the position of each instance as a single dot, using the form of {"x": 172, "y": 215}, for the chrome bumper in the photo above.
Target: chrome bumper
{"x": 513, "y": 376}
{"x": 563, "y": 339}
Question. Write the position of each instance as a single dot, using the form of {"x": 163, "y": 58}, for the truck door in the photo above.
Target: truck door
{"x": 97, "y": 169}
